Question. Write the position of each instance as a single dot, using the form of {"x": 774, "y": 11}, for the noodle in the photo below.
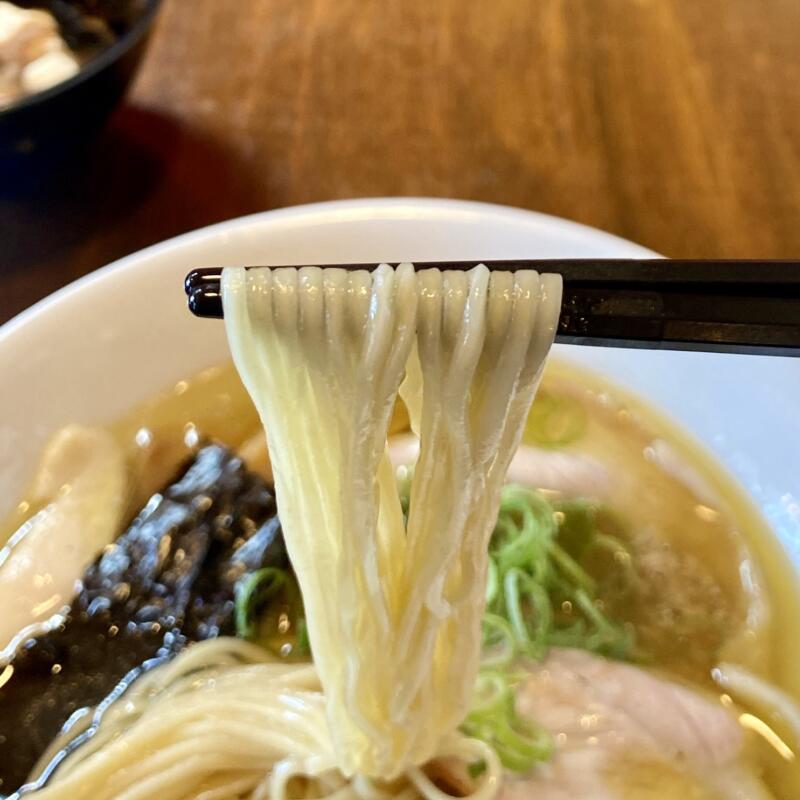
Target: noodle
{"x": 761, "y": 695}
{"x": 222, "y": 722}
{"x": 393, "y": 615}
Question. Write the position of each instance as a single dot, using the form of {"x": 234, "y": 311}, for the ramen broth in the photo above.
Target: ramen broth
{"x": 712, "y": 582}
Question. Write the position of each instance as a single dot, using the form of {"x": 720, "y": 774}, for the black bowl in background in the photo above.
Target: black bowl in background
{"x": 41, "y": 131}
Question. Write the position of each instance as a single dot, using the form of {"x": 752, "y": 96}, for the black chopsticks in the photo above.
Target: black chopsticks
{"x": 726, "y": 306}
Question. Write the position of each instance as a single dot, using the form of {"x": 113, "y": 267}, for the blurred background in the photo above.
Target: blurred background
{"x": 675, "y": 123}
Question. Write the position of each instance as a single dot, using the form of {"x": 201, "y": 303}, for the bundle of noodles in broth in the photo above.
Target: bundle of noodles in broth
{"x": 393, "y": 611}
{"x": 393, "y": 607}
{"x": 464, "y": 638}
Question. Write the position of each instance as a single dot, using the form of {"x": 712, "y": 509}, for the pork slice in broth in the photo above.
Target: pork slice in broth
{"x": 622, "y": 732}
{"x": 573, "y": 474}
{"x": 80, "y": 492}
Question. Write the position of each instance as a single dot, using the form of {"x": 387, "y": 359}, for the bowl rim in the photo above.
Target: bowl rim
{"x": 128, "y": 40}
{"x": 379, "y": 205}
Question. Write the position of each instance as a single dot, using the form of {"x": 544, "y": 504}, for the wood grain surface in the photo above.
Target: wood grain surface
{"x": 675, "y": 123}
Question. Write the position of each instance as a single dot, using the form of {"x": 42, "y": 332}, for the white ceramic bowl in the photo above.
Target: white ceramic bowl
{"x": 93, "y": 349}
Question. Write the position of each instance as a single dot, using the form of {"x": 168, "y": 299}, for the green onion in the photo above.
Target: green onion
{"x": 537, "y": 583}
{"x": 571, "y": 570}
{"x": 499, "y": 642}
{"x": 303, "y": 642}
{"x": 269, "y": 612}
{"x": 492, "y": 585}
{"x": 476, "y": 769}
{"x": 555, "y": 420}
{"x": 252, "y": 592}
{"x": 531, "y": 623}
{"x": 518, "y": 742}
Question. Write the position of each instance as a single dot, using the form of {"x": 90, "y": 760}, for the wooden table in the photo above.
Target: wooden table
{"x": 672, "y": 122}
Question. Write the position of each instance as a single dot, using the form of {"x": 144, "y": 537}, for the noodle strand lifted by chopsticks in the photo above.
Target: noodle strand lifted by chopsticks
{"x": 393, "y": 614}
